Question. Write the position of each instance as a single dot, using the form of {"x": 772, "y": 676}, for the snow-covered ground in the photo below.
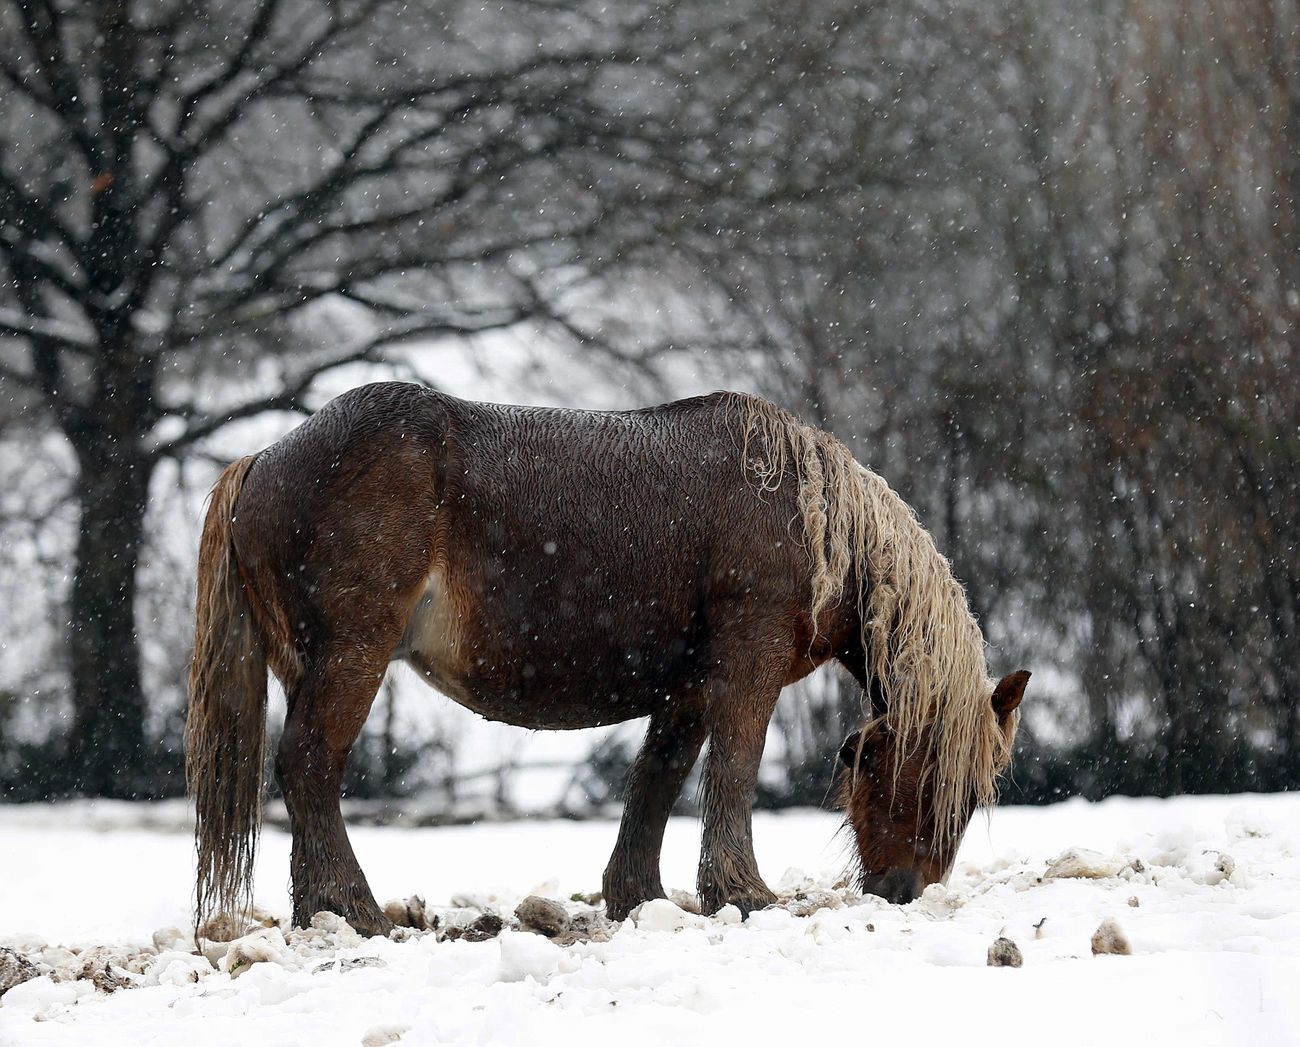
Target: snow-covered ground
{"x": 1207, "y": 891}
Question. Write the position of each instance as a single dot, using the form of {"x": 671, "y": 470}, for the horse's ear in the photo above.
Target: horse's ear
{"x": 863, "y": 746}
{"x": 1008, "y": 693}
{"x": 849, "y": 750}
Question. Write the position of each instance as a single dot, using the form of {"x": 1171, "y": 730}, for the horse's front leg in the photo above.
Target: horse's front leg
{"x": 729, "y": 874}
{"x": 671, "y": 746}
{"x": 326, "y": 713}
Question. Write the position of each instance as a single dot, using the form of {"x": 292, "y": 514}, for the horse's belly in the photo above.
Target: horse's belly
{"x": 470, "y": 652}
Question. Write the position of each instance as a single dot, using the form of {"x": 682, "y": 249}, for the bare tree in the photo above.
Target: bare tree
{"x": 182, "y": 190}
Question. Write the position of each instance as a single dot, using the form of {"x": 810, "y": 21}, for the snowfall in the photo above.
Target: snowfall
{"x": 1201, "y": 898}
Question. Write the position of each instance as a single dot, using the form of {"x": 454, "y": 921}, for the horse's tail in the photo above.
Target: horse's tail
{"x": 225, "y": 733}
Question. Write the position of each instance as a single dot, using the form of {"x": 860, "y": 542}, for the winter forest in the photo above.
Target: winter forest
{"x": 1038, "y": 264}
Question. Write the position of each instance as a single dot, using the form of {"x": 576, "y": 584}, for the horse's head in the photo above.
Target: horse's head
{"x": 888, "y": 797}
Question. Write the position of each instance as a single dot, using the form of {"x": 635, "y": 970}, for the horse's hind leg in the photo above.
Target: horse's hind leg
{"x": 739, "y": 715}
{"x": 326, "y": 712}
{"x": 672, "y": 744}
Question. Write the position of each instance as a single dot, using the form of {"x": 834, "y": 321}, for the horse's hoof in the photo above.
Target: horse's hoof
{"x": 381, "y": 927}
{"x": 618, "y": 909}
{"x": 751, "y": 904}
{"x": 747, "y": 901}
{"x": 367, "y": 922}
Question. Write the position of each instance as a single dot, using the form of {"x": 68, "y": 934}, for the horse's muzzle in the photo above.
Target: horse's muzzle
{"x": 899, "y": 886}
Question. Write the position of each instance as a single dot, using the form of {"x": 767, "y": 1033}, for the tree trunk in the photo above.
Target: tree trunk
{"x": 107, "y": 744}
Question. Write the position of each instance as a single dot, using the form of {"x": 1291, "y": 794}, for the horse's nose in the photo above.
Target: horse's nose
{"x": 898, "y": 886}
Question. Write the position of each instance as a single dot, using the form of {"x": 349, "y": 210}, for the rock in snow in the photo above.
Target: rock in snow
{"x": 15, "y": 969}
{"x": 542, "y": 915}
{"x": 1005, "y": 953}
{"x": 410, "y": 912}
{"x": 1109, "y": 939}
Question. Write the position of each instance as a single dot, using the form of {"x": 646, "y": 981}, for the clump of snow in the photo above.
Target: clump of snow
{"x": 334, "y": 927}
{"x": 339, "y": 964}
{"x": 1210, "y": 868}
{"x": 481, "y": 900}
{"x": 265, "y": 945}
{"x": 942, "y": 900}
{"x": 172, "y": 939}
{"x": 812, "y": 899}
{"x": 177, "y": 968}
{"x": 527, "y": 956}
{"x": 39, "y": 999}
{"x": 1083, "y": 864}
{"x": 382, "y": 1035}
{"x": 663, "y": 915}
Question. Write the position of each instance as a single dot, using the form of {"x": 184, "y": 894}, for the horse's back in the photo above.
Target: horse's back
{"x": 601, "y": 550}
{"x": 543, "y": 562}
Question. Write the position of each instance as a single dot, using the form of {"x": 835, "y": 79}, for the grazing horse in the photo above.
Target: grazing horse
{"x": 559, "y": 569}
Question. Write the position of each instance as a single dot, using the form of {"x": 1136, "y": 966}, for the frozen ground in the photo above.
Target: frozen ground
{"x": 1207, "y": 890}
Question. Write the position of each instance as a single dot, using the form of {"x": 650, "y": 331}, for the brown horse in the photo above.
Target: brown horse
{"x": 560, "y": 569}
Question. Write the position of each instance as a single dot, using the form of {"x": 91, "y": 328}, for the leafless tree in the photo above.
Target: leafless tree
{"x": 190, "y": 195}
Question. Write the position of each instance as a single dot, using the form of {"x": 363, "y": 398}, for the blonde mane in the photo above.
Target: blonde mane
{"x": 924, "y": 649}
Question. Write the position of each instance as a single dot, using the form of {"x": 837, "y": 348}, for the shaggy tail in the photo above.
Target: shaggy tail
{"x": 225, "y": 733}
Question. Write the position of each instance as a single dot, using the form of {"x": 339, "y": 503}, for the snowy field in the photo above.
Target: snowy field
{"x": 1206, "y": 890}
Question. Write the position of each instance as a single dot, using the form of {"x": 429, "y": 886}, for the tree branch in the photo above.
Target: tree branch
{"x": 291, "y": 397}
{"x": 46, "y": 331}
{"x": 40, "y": 23}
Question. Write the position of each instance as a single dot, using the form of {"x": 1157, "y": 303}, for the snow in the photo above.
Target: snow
{"x": 1205, "y": 890}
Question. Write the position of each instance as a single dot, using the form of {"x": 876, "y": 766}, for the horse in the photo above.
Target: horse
{"x": 558, "y": 569}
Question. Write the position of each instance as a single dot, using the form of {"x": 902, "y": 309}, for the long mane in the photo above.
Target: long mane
{"x": 924, "y": 648}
